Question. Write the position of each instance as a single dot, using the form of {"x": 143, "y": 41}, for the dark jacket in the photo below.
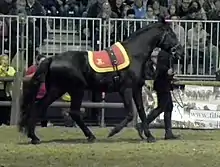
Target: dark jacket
{"x": 149, "y": 71}
{"x": 118, "y": 11}
{"x": 181, "y": 13}
{"x": 35, "y": 10}
{"x": 49, "y": 3}
{"x": 5, "y": 7}
{"x": 94, "y": 10}
{"x": 212, "y": 28}
{"x": 162, "y": 82}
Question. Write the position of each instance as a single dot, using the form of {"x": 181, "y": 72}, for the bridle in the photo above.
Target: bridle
{"x": 173, "y": 49}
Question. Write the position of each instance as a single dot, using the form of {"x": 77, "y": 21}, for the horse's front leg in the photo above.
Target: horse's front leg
{"x": 76, "y": 101}
{"x": 126, "y": 95}
{"x": 137, "y": 96}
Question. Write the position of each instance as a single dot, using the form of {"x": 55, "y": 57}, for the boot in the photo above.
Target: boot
{"x": 168, "y": 127}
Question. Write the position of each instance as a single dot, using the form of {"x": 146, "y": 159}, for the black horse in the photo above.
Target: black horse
{"x": 75, "y": 71}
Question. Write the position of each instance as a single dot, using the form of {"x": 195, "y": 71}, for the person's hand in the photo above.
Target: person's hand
{"x": 170, "y": 72}
{"x": 60, "y": 2}
{"x": 104, "y": 15}
{"x": 86, "y": 32}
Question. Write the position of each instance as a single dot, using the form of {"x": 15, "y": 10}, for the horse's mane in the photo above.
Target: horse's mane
{"x": 145, "y": 28}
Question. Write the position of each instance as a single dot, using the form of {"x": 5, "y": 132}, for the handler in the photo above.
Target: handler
{"x": 162, "y": 85}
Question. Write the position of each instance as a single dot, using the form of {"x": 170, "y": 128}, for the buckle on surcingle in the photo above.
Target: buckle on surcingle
{"x": 116, "y": 79}
{"x": 115, "y": 62}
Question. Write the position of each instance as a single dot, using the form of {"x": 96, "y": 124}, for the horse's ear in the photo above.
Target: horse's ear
{"x": 161, "y": 19}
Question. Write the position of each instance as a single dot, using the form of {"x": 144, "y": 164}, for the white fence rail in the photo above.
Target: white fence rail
{"x": 199, "y": 38}
{"x": 53, "y": 35}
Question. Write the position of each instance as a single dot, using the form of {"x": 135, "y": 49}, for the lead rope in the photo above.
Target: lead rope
{"x": 181, "y": 104}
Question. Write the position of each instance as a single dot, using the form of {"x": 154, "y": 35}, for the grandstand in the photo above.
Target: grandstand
{"x": 63, "y": 40}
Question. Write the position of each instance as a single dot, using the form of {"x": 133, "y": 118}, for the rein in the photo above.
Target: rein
{"x": 181, "y": 104}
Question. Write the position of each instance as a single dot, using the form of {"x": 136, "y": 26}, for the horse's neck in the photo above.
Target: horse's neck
{"x": 143, "y": 49}
{"x": 140, "y": 48}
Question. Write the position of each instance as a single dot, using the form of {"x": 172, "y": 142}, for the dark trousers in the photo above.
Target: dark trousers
{"x": 165, "y": 104}
{"x": 43, "y": 118}
{"x": 5, "y": 111}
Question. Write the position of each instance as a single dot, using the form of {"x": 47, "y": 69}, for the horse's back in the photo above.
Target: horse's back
{"x": 68, "y": 67}
{"x": 70, "y": 58}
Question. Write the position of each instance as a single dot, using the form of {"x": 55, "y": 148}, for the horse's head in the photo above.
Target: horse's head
{"x": 169, "y": 41}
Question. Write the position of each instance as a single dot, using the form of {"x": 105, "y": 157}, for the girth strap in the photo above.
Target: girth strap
{"x": 114, "y": 62}
{"x": 113, "y": 58}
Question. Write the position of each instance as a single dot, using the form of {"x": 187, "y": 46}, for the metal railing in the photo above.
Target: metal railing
{"x": 24, "y": 35}
{"x": 53, "y": 35}
{"x": 201, "y": 44}
{"x": 199, "y": 38}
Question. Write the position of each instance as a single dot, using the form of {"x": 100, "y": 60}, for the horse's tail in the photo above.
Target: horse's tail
{"x": 30, "y": 92}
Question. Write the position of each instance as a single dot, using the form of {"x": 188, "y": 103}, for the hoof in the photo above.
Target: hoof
{"x": 140, "y": 135}
{"x": 140, "y": 131}
{"x": 172, "y": 137}
{"x": 112, "y": 133}
{"x": 91, "y": 139}
{"x": 151, "y": 139}
{"x": 35, "y": 141}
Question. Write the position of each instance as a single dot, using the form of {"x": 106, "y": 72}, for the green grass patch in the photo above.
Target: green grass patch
{"x": 63, "y": 147}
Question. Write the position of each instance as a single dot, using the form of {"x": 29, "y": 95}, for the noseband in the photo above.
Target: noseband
{"x": 174, "y": 48}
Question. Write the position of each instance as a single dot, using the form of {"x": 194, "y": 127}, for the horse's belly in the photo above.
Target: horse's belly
{"x": 103, "y": 84}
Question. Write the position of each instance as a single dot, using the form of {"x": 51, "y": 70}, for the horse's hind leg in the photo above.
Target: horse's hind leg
{"x": 39, "y": 110}
{"x": 76, "y": 101}
{"x": 127, "y": 99}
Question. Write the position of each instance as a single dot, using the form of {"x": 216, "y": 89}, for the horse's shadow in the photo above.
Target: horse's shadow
{"x": 111, "y": 140}
{"x": 84, "y": 141}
